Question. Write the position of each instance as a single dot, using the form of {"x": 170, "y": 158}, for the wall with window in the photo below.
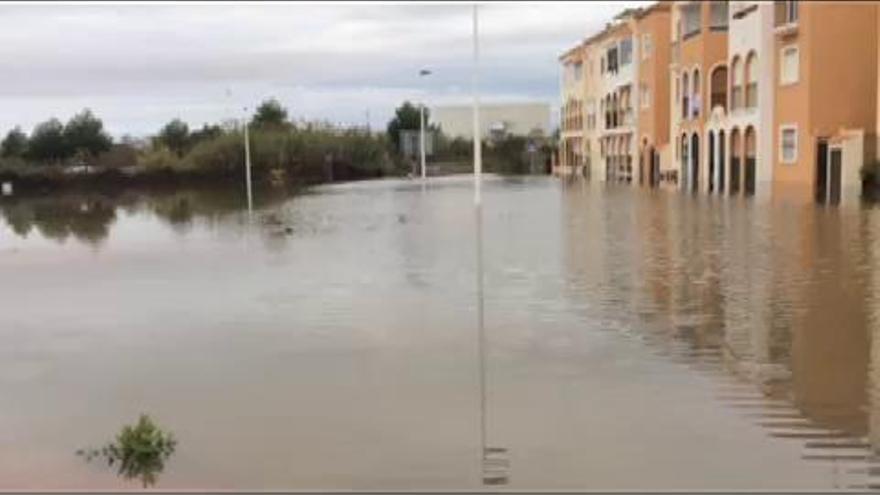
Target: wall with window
{"x": 825, "y": 79}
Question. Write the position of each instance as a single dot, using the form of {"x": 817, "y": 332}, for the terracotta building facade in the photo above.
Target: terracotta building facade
{"x": 749, "y": 98}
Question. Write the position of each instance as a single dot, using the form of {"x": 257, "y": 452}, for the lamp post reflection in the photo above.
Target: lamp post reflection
{"x": 493, "y": 460}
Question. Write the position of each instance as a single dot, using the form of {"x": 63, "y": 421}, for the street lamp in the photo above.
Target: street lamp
{"x": 422, "y": 73}
{"x": 247, "y": 165}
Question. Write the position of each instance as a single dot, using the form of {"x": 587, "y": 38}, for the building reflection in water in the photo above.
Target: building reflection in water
{"x": 777, "y": 302}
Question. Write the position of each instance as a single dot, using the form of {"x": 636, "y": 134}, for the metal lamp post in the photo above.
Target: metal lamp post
{"x": 247, "y": 166}
{"x": 422, "y": 73}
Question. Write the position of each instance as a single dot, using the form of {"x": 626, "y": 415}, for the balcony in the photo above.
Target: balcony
{"x": 785, "y": 17}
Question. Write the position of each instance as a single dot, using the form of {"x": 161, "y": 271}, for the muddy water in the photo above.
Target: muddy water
{"x": 634, "y": 339}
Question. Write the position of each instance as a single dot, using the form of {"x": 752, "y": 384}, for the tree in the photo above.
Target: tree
{"x": 14, "y": 145}
{"x": 84, "y": 135}
{"x": 270, "y": 113}
{"x": 206, "y": 133}
{"x": 406, "y": 118}
{"x": 46, "y": 143}
{"x": 175, "y": 136}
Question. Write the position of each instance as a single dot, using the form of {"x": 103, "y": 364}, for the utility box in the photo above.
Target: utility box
{"x": 410, "y": 143}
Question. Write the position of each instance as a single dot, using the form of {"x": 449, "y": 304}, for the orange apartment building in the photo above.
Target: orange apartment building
{"x": 653, "y": 26}
{"x": 742, "y": 97}
{"x": 825, "y": 117}
{"x": 699, "y": 51}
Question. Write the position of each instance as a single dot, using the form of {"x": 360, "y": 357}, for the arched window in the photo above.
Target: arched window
{"x": 685, "y": 96}
{"x": 718, "y": 84}
{"x": 696, "y": 100}
{"x": 736, "y": 74}
{"x": 752, "y": 80}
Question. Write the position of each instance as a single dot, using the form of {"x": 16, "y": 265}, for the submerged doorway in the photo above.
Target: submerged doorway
{"x": 829, "y": 162}
{"x": 750, "y": 164}
{"x": 711, "y": 148}
{"x": 695, "y": 162}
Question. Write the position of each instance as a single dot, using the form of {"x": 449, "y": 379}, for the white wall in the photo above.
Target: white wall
{"x": 755, "y": 32}
{"x": 522, "y": 118}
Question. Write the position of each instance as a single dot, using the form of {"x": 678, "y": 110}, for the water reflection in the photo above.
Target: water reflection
{"x": 777, "y": 303}
{"x": 87, "y": 217}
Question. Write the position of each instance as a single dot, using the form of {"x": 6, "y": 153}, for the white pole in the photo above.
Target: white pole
{"x": 247, "y": 168}
{"x": 478, "y": 152}
{"x": 422, "y": 137}
{"x": 478, "y": 218}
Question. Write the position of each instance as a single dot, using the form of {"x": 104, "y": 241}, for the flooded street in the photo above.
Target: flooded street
{"x": 635, "y": 339}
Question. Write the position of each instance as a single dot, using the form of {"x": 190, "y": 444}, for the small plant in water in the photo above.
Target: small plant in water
{"x": 139, "y": 452}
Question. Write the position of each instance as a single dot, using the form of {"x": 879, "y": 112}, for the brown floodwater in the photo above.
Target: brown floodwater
{"x": 634, "y": 339}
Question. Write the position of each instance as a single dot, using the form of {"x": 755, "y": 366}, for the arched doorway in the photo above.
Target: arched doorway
{"x": 749, "y": 187}
{"x": 684, "y": 161}
{"x": 695, "y": 162}
{"x": 711, "y": 149}
{"x": 643, "y": 161}
{"x": 735, "y": 160}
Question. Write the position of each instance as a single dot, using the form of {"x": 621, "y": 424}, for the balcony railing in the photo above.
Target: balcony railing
{"x": 752, "y": 95}
{"x": 785, "y": 16}
{"x": 719, "y": 99}
{"x": 736, "y": 98}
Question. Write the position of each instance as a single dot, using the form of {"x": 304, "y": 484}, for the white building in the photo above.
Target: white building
{"x": 747, "y": 117}
{"x": 519, "y": 119}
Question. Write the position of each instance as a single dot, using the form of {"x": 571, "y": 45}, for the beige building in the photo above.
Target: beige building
{"x": 615, "y": 111}
{"x": 618, "y": 98}
{"x": 571, "y": 114}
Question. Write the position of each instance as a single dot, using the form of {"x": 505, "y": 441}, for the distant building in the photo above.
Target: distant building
{"x": 496, "y": 120}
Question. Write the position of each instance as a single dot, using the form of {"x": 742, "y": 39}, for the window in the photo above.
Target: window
{"x": 752, "y": 81}
{"x": 685, "y": 96}
{"x": 695, "y": 100}
{"x": 646, "y": 46}
{"x": 578, "y": 71}
{"x": 736, "y": 91}
{"x": 626, "y": 49}
{"x": 789, "y": 67}
{"x": 602, "y": 65}
{"x": 718, "y": 15}
{"x": 786, "y": 13}
{"x": 612, "y": 60}
{"x": 788, "y": 144}
{"x": 691, "y": 15}
{"x": 645, "y": 96}
{"x": 718, "y": 88}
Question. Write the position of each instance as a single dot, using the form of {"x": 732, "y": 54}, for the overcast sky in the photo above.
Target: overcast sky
{"x": 138, "y": 66}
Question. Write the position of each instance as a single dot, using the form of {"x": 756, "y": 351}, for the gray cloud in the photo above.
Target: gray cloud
{"x": 139, "y": 65}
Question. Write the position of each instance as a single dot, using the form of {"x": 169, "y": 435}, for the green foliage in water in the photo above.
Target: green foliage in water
{"x": 139, "y": 452}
